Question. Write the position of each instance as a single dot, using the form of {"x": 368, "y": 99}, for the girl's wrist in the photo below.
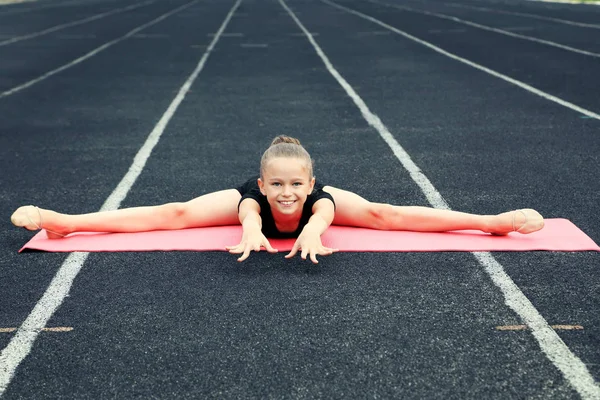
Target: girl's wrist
{"x": 317, "y": 223}
{"x": 250, "y": 224}
{"x": 313, "y": 227}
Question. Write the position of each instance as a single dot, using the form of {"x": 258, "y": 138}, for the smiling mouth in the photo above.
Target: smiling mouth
{"x": 287, "y": 203}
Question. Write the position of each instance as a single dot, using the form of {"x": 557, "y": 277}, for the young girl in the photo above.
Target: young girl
{"x": 284, "y": 202}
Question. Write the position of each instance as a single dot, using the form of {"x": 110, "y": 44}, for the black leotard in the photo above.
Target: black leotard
{"x": 250, "y": 190}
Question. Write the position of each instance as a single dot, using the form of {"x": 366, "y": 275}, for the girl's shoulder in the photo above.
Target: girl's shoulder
{"x": 248, "y": 186}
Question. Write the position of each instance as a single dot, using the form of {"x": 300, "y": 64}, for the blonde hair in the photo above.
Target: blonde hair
{"x": 287, "y": 147}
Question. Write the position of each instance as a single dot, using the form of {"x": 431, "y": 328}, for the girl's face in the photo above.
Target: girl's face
{"x": 286, "y": 185}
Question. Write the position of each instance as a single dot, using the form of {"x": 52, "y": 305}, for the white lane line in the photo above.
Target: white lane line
{"x": 33, "y": 9}
{"x": 229, "y": 34}
{"x": 254, "y": 45}
{"x": 53, "y": 329}
{"x": 94, "y": 52}
{"x": 551, "y": 344}
{"x": 302, "y": 34}
{"x": 20, "y": 345}
{"x": 75, "y": 23}
{"x": 151, "y": 36}
{"x": 527, "y": 15}
{"x": 520, "y": 84}
{"x": 519, "y": 28}
{"x": 524, "y": 327}
{"x": 489, "y": 28}
{"x": 10, "y": 2}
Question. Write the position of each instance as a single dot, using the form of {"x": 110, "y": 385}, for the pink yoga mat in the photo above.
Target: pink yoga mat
{"x": 557, "y": 235}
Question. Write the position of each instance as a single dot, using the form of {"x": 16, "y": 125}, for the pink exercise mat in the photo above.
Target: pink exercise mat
{"x": 557, "y": 235}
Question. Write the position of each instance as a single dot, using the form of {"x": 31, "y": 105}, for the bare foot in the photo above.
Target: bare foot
{"x": 523, "y": 221}
{"x": 33, "y": 218}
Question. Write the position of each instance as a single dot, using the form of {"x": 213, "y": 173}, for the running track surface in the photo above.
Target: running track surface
{"x": 82, "y": 85}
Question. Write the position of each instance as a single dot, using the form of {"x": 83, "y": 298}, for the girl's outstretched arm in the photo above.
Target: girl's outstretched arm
{"x": 252, "y": 236}
{"x": 309, "y": 240}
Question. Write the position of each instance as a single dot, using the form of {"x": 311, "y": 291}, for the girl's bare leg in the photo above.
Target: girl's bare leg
{"x": 213, "y": 209}
{"x": 353, "y": 210}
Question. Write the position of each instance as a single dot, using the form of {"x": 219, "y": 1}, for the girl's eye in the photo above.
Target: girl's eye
{"x": 297, "y": 184}
{"x": 276, "y": 184}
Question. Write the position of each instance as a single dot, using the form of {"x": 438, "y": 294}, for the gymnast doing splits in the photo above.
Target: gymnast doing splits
{"x": 284, "y": 202}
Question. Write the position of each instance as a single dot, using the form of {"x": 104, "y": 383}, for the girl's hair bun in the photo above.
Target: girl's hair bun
{"x": 285, "y": 139}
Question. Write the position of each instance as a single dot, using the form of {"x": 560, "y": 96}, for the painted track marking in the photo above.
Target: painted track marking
{"x": 94, "y": 52}
{"x": 572, "y": 368}
{"x": 46, "y": 329}
{"x": 38, "y": 8}
{"x": 228, "y": 34}
{"x": 528, "y": 15}
{"x": 75, "y": 23}
{"x": 522, "y": 85}
{"x": 254, "y": 45}
{"x": 525, "y": 327}
{"x": 20, "y": 345}
{"x": 489, "y": 28}
{"x": 7, "y": 2}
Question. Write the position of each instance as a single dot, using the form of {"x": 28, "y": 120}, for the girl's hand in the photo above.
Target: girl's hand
{"x": 310, "y": 243}
{"x": 252, "y": 240}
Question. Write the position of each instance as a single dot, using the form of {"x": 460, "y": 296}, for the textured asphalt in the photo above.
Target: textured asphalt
{"x": 357, "y": 325}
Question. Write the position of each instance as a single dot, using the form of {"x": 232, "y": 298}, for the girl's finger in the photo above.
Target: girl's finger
{"x": 268, "y": 247}
{"x": 293, "y": 252}
{"x": 245, "y": 255}
{"x": 235, "y": 250}
{"x": 325, "y": 251}
{"x": 313, "y": 257}
{"x": 304, "y": 254}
